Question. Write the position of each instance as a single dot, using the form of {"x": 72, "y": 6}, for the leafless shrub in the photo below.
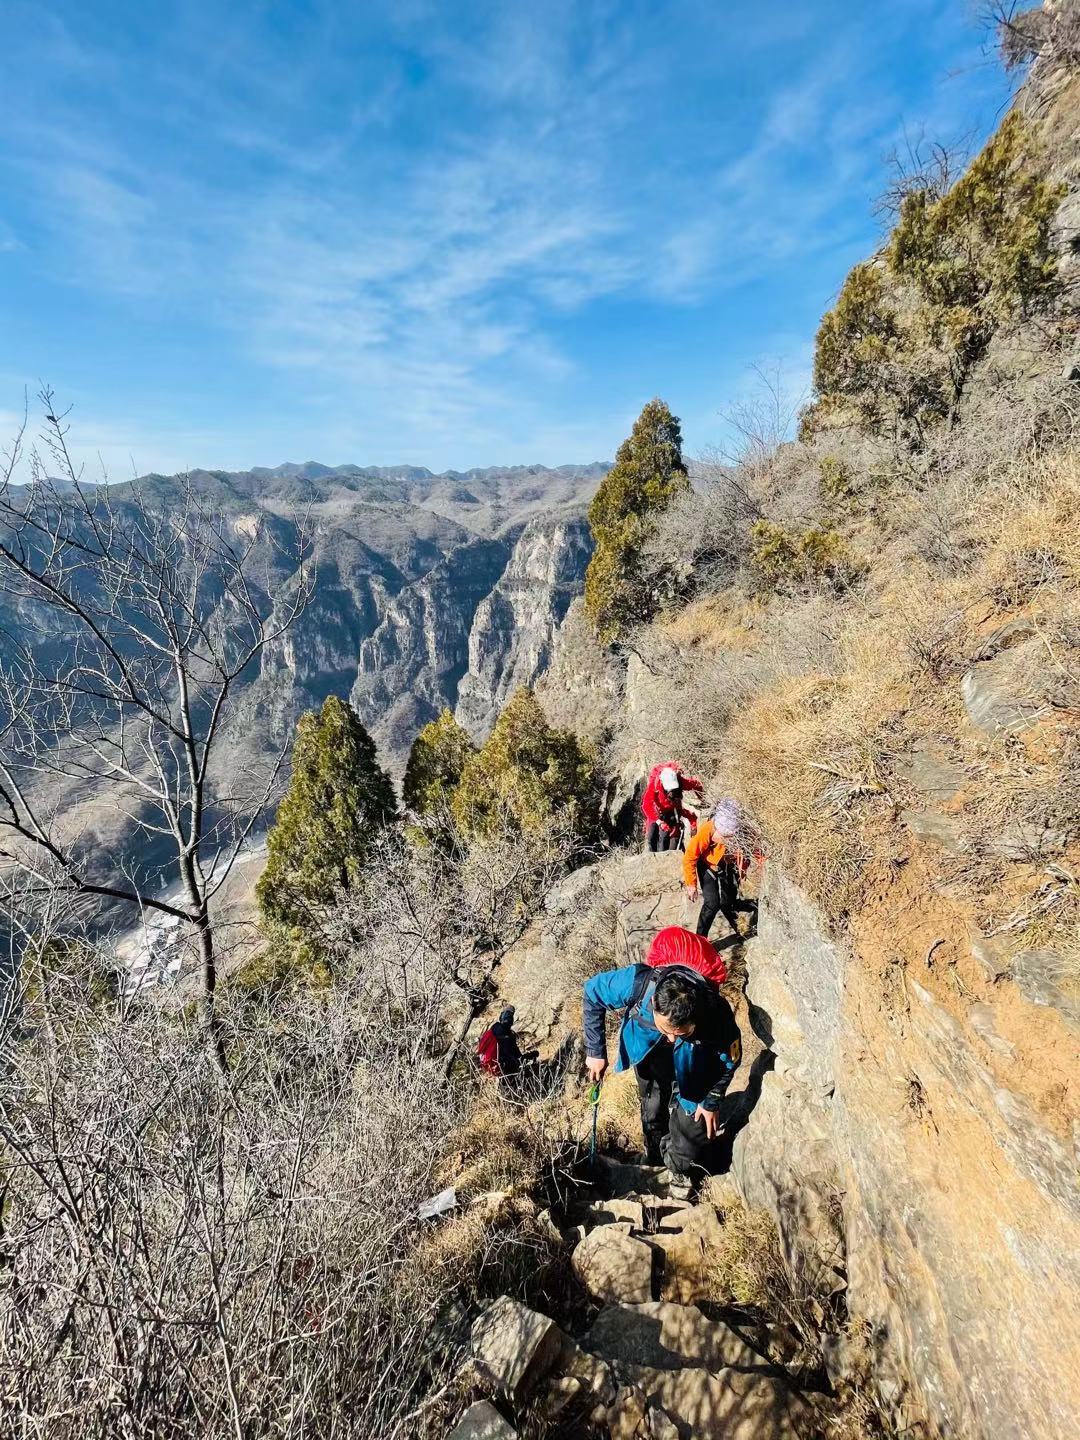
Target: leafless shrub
{"x": 185, "y": 1254}
{"x": 1048, "y": 34}
{"x": 919, "y": 165}
{"x": 141, "y": 616}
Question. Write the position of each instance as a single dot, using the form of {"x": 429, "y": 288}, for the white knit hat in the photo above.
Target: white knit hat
{"x": 669, "y": 778}
{"x": 726, "y": 817}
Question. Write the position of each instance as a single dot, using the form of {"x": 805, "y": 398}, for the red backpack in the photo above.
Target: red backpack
{"x": 487, "y": 1052}
{"x": 676, "y": 946}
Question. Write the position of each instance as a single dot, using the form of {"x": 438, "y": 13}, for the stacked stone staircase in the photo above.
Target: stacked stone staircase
{"x": 652, "y": 1364}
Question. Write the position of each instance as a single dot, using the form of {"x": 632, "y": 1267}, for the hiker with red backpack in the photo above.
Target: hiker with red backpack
{"x": 662, "y": 806}
{"x": 679, "y": 1034}
{"x": 497, "y": 1050}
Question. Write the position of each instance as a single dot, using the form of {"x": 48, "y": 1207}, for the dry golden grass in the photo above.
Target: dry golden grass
{"x": 830, "y": 691}
{"x": 745, "y": 1264}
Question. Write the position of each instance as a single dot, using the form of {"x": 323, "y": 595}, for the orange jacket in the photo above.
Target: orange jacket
{"x": 714, "y": 850}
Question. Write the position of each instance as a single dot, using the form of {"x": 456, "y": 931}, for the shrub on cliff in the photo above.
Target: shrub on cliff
{"x": 338, "y": 799}
{"x": 438, "y": 756}
{"x": 980, "y": 255}
{"x": 526, "y": 775}
{"x": 648, "y": 473}
{"x": 781, "y": 558}
{"x": 898, "y": 348}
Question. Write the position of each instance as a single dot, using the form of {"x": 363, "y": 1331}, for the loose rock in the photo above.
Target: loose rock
{"x": 482, "y": 1422}
{"x": 515, "y": 1345}
{"x": 613, "y": 1266}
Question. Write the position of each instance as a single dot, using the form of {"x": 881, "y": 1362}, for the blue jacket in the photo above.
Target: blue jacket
{"x": 704, "y": 1061}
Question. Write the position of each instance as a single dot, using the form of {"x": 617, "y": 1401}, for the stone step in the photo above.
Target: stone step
{"x": 613, "y": 1266}
{"x": 730, "y": 1405}
{"x": 665, "y": 1336}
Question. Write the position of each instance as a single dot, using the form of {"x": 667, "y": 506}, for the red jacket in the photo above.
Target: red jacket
{"x": 658, "y": 807}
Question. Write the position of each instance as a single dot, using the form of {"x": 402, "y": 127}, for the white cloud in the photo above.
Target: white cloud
{"x": 422, "y": 286}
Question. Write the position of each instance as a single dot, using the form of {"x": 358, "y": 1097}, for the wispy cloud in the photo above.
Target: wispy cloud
{"x": 405, "y": 216}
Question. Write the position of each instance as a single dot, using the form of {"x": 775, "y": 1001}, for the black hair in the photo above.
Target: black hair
{"x": 676, "y": 1000}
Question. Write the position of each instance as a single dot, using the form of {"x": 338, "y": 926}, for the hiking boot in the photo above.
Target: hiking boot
{"x": 678, "y": 1186}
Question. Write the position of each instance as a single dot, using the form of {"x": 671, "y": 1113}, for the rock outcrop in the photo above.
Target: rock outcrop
{"x": 513, "y": 632}
{"x": 883, "y": 1141}
{"x": 409, "y": 669}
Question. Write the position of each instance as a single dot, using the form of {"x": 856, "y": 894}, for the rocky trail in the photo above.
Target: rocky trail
{"x": 649, "y": 1366}
{"x": 649, "y": 1344}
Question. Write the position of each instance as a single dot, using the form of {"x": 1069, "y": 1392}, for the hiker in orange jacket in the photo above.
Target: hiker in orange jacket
{"x": 714, "y": 864}
{"x": 662, "y": 806}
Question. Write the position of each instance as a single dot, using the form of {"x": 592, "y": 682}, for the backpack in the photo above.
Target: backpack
{"x": 676, "y": 946}
{"x": 487, "y": 1052}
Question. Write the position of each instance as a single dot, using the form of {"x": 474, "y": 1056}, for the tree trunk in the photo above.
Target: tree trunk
{"x": 211, "y": 1023}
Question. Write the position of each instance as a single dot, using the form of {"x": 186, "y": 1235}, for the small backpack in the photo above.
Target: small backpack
{"x": 676, "y": 946}
{"x": 487, "y": 1052}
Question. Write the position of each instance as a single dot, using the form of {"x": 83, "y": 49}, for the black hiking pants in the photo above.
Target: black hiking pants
{"x": 657, "y": 838}
{"x": 719, "y": 893}
{"x": 672, "y": 1137}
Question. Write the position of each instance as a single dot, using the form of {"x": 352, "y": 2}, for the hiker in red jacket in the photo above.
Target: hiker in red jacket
{"x": 662, "y": 806}
{"x": 497, "y": 1050}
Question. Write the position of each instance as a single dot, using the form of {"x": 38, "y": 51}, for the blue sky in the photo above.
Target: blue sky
{"x": 446, "y": 233}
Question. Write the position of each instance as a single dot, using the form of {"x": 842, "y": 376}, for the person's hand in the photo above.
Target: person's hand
{"x": 709, "y": 1117}
{"x": 692, "y": 892}
{"x": 595, "y": 1068}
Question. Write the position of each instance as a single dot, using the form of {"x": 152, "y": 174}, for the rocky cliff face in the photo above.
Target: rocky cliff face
{"x": 410, "y": 668}
{"x": 514, "y": 628}
{"x": 887, "y": 1141}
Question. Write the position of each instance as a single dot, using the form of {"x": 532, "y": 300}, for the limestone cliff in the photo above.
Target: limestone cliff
{"x": 895, "y": 1137}
{"x": 514, "y": 628}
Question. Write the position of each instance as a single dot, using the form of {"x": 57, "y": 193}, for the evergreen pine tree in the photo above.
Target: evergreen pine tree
{"x": 648, "y": 473}
{"x": 337, "y": 801}
{"x": 438, "y": 756}
{"x": 525, "y": 774}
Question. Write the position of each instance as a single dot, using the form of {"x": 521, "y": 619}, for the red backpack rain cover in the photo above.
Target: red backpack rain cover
{"x": 487, "y": 1052}
{"x": 676, "y": 946}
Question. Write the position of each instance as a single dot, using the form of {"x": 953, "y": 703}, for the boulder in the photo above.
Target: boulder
{"x": 661, "y": 1426}
{"x": 613, "y": 1266}
{"x": 515, "y": 1345}
{"x": 482, "y": 1422}
{"x": 667, "y": 1337}
{"x": 628, "y": 1417}
{"x": 1002, "y": 694}
{"x": 593, "y": 1373}
{"x": 725, "y": 1406}
{"x": 609, "y": 1212}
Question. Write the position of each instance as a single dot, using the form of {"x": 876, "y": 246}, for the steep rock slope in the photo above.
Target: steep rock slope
{"x": 899, "y": 1134}
{"x": 411, "y": 666}
{"x": 512, "y": 636}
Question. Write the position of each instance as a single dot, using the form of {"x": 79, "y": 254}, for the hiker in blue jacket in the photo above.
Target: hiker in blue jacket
{"x": 679, "y": 1034}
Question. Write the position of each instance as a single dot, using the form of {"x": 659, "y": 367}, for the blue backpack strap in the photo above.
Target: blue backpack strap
{"x": 637, "y": 994}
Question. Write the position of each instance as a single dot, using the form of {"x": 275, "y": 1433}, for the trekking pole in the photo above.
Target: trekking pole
{"x": 594, "y": 1101}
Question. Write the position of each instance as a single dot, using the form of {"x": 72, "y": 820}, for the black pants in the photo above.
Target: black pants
{"x": 657, "y": 838}
{"x": 719, "y": 892}
{"x": 672, "y": 1137}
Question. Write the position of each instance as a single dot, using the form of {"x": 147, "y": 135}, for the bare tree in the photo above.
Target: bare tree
{"x": 920, "y": 166}
{"x": 1027, "y": 34}
{"x": 136, "y": 615}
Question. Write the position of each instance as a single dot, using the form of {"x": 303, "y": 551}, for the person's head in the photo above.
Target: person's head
{"x": 507, "y": 1017}
{"x": 675, "y": 1007}
{"x": 726, "y": 818}
{"x": 669, "y": 780}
